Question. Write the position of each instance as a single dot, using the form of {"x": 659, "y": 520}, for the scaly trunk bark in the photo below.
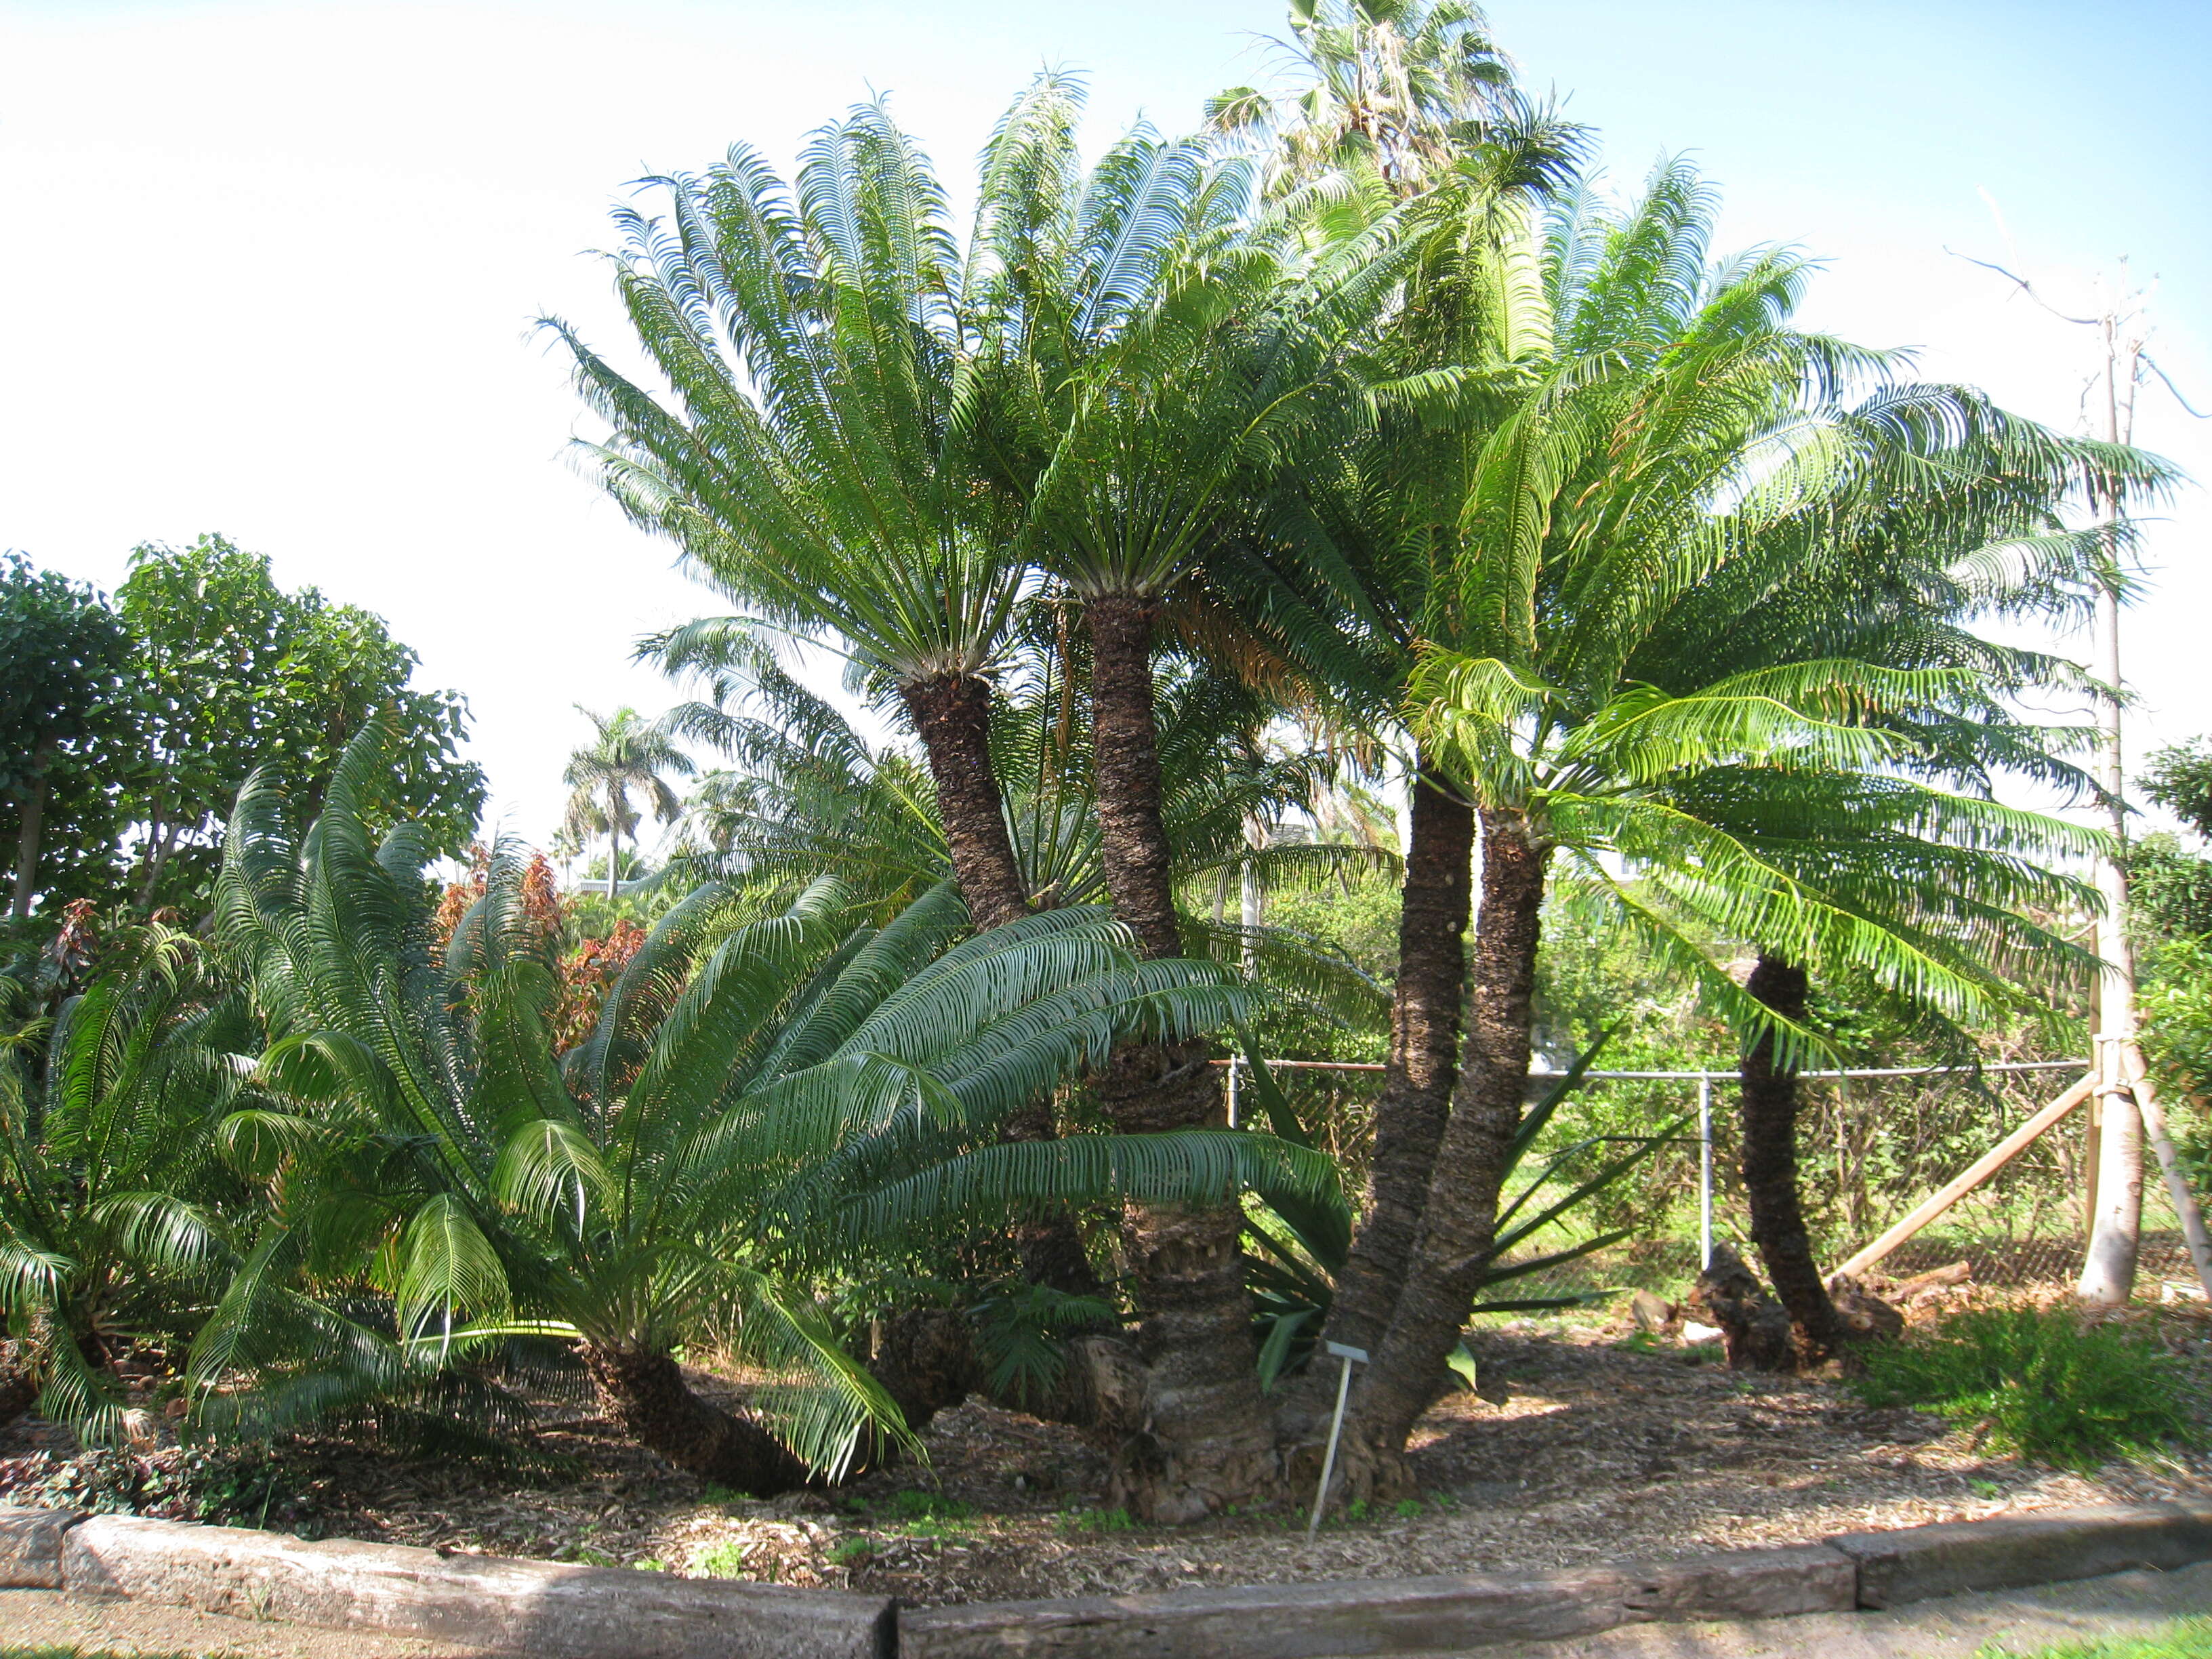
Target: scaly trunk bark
{"x": 648, "y": 1399}
{"x": 952, "y": 714}
{"x": 1460, "y": 1218}
{"x": 1425, "y": 1020}
{"x": 27, "y": 843}
{"x": 1206, "y": 1440}
{"x": 1769, "y": 1103}
{"x": 1125, "y": 768}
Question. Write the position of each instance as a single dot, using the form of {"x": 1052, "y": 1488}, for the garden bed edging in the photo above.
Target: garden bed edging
{"x": 552, "y": 1611}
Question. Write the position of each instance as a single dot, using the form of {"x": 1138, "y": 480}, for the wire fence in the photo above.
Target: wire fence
{"x": 1873, "y": 1142}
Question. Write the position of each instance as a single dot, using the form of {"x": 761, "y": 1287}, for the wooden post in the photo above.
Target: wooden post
{"x": 1976, "y": 1173}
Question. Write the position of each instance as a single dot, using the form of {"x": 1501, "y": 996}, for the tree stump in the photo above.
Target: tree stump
{"x": 1754, "y": 1328}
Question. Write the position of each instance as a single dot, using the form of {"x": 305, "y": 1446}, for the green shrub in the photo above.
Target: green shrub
{"x": 2044, "y": 1384}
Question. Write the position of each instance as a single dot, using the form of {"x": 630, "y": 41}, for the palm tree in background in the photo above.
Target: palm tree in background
{"x": 1394, "y": 90}
{"x": 626, "y": 757}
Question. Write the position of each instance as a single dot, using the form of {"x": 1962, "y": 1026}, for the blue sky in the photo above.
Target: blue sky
{"x": 270, "y": 267}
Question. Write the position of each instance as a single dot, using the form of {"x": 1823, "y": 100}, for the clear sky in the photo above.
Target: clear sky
{"x": 269, "y": 268}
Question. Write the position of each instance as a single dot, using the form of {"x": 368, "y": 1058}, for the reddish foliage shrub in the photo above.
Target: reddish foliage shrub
{"x": 587, "y": 972}
{"x": 582, "y": 974}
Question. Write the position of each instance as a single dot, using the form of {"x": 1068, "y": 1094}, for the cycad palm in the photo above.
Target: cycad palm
{"x": 1357, "y": 572}
{"x": 1671, "y": 428}
{"x": 110, "y": 1178}
{"x": 821, "y": 459}
{"x": 1153, "y": 361}
{"x": 759, "y": 1102}
{"x": 1964, "y": 527}
{"x": 625, "y": 759}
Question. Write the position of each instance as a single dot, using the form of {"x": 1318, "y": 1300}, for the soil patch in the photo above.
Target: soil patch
{"x": 1600, "y": 1449}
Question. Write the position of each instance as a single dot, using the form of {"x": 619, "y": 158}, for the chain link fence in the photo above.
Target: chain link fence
{"x": 1873, "y": 1143}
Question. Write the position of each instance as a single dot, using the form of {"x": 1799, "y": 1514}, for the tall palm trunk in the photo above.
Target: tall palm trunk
{"x": 645, "y": 1394}
{"x": 1769, "y": 1105}
{"x": 614, "y": 844}
{"x": 952, "y": 714}
{"x": 1436, "y": 899}
{"x": 1460, "y": 1218}
{"x": 1206, "y": 1441}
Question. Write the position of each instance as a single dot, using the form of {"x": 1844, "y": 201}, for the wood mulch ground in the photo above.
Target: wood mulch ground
{"x": 1603, "y": 1449}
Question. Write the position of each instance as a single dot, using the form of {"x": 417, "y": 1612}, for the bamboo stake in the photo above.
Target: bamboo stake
{"x": 1976, "y": 1173}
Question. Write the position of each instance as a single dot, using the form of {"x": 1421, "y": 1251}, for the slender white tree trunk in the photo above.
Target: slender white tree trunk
{"x": 2108, "y": 1265}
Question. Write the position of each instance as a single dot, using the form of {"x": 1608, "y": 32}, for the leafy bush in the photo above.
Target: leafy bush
{"x": 2046, "y": 1386}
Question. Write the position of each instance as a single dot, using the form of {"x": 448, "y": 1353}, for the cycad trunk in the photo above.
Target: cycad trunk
{"x": 1206, "y": 1441}
{"x": 1460, "y": 1217}
{"x": 646, "y": 1398}
{"x": 952, "y": 714}
{"x": 1770, "y": 1101}
{"x": 1425, "y": 1022}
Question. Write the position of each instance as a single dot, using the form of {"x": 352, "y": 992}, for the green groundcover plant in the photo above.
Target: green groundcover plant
{"x": 2042, "y": 1384}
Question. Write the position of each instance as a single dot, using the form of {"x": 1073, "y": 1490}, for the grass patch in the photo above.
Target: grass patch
{"x": 2042, "y": 1383}
{"x": 2189, "y": 1639}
